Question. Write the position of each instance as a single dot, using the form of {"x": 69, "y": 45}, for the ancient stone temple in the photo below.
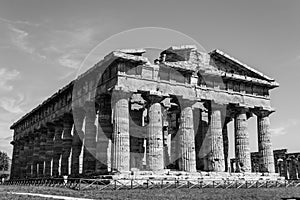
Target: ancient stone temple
{"x": 129, "y": 114}
{"x": 286, "y": 164}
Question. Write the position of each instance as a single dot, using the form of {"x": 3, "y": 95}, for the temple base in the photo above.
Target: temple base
{"x": 200, "y": 175}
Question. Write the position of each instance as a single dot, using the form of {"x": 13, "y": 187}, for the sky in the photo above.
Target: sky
{"x": 43, "y": 44}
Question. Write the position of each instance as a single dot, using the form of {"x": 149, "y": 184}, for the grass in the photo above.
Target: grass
{"x": 236, "y": 194}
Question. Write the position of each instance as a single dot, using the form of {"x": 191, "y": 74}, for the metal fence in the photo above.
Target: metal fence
{"x": 126, "y": 184}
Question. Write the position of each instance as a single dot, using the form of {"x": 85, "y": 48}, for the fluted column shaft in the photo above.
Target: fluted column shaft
{"x": 121, "y": 142}
{"x": 42, "y": 153}
{"x": 36, "y": 150}
{"x": 22, "y": 159}
{"x": 26, "y": 157}
{"x": 226, "y": 142}
{"x": 264, "y": 143}
{"x": 57, "y": 145}
{"x": 187, "y": 160}
{"x": 49, "y": 148}
{"x": 78, "y": 135}
{"x": 30, "y": 156}
{"x": 155, "y": 148}
{"x": 15, "y": 161}
{"x": 216, "y": 156}
{"x": 242, "y": 149}
{"x": 104, "y": 138}
{"x": 89, "y": 154}
{"x": 66, "y": 144}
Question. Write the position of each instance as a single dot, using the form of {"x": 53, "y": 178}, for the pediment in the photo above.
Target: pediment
{"x": 227, "y": 64}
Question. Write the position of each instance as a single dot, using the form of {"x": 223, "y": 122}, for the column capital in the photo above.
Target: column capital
{"x": 137, "y": 101}
{"x": 153, "y": 98}
{"x": 188, "y": 103}
{"x": 119, "y": 94}
{"x": 262, "y": 113}
{"x": 237, "y": 110}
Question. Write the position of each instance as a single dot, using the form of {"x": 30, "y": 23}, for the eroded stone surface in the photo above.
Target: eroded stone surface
{"x": 264, "y": 143}
{"x": 187, "y": 160}
{"x": 66, "y": 144}
{"x": 155, "y": 149}
{"x": 89, "y": 154}
{"x": 216, "y": 158}
{"x": 242, "y": 149}
{"x": 121, "y": 146}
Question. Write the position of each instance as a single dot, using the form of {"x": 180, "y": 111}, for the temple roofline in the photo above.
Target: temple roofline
{"x": 226, "y": 56}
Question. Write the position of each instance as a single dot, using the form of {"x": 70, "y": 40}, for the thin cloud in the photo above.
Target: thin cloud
{"x": 283, "y": 130}
{"x": 18, "y": 22}
{"x": 12, "y": 105}
{"x": 70, "y": 60}
{"x": 19, "y": 39}
{"x": 70, "y": 47}
{"x": 5, "y": 77}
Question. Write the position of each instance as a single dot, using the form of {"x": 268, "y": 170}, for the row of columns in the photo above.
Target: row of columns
{"x": 39, "y": 153}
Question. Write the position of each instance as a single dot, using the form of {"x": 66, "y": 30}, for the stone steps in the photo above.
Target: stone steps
{"x": 179, "y": 175}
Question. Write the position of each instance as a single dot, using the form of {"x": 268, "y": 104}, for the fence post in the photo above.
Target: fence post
{"x": 115, "y": 187}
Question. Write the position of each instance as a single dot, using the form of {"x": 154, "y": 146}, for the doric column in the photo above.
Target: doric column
{"x": 225, "y": 141}
{"x": 66, "y": 143}
{"x": 242, "y": 149}
{"x": 204, "y": 141}
{"x": 264, "y": 142}
{"x": 121, "y": 142}
{"x": 166, "y": 136}
{"x": 137, "y": 130}
{"x": 78, "y": 134}
{"x": 35, "y": 155}
{"x": 49, "y": 148}
{"x": 26, "y": 156}
{"x": 155, "y": 148}
{"x": 216, "y": 160}
{"x": 15, "y": 160}
{"x": 89, "y": 154}
{"x": 173, "y": 131}
{"x": 57, "y": 147}
{"x": 187, "y": 156}
{"x": 104, "y": 138}
{"x": 30, "y": 155}
{"x": 42, "y": 153}
{"x": 22, "y": 159}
